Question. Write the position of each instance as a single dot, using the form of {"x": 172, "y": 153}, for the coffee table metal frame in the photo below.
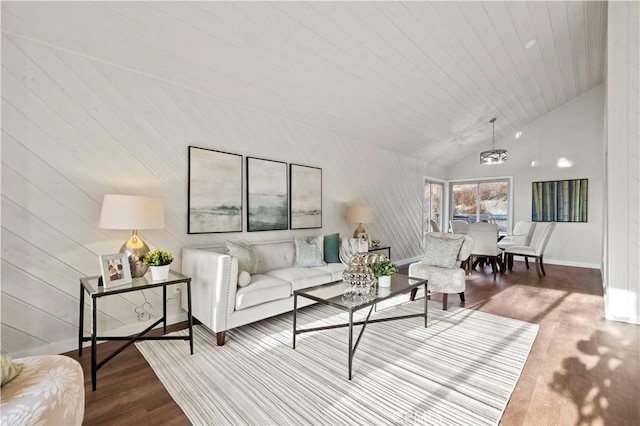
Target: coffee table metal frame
{"x": 400, "y": 284}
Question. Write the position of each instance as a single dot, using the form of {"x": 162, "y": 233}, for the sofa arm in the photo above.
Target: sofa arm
{"x": 214, "y": 279}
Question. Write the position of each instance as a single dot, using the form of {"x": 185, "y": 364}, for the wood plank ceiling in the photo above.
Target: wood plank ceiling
{"x": 421, "y": 78}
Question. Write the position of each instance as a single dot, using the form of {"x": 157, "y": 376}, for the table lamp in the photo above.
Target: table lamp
{"x": 359, "y": 215}
{"x": 132, "y": 212}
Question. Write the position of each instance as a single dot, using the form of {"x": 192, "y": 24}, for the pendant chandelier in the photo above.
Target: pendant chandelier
{"x": 493, "y": 156}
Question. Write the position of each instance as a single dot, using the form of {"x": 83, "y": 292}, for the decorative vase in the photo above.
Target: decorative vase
{"x": 159, "y": 273}
{"x": 384, "y": 281}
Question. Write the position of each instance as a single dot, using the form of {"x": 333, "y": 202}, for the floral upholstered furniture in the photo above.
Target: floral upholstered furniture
{"x": 440, "y": 265}
{"x": 49, "y": 390}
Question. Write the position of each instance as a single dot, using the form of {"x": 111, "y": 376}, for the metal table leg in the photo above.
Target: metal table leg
{"x": 295, "y": 312}
{"x": 81, "y": 321}
{"x": 190, "y": 316}
{"x": 350, "y": 342}
{"x": 94, "y": 335}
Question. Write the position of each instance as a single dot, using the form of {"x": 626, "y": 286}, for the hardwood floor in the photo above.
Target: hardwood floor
{"x": 582, "y": 370}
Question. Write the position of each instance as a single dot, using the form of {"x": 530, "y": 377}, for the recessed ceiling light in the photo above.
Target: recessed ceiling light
{"x": 534, "y": 163}
{"x": 518, "y": 134}
{"x": 531, "y": 43}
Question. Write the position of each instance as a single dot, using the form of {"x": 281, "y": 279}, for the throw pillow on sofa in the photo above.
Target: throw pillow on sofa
{"x": 244, "y": 279}
{"x": 247, "y": 259}
{"x": 9, "y": 369}
{"x": 309, "y": 252}
{"x": 332, "y": 248}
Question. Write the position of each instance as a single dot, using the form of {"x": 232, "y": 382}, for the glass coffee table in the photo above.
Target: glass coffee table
{"x": 334, "y": 295}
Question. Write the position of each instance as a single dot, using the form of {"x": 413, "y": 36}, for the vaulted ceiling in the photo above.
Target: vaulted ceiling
{"x": 421, "y": 78}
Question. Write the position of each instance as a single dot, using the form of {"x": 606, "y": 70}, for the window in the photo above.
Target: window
{"x": 432, "y": 205}
{"x": 477, "y": 201}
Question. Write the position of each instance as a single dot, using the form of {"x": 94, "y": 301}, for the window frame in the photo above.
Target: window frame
{"x": 478, "y": 181}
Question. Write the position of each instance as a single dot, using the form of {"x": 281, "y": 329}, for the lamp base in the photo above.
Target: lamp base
{"x": 137, "y": 250}
{"x": 359, "y": 230}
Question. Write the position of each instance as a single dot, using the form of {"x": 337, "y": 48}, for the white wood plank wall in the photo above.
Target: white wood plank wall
{"x": 76, "y": 126}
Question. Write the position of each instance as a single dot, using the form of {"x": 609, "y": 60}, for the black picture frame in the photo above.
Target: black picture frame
{"x": 267, "y": 195}
{"x": 214, "y": 201}
{"x": 305, "y": 192}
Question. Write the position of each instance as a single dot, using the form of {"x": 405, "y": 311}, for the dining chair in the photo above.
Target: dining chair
{"x": 541, "y": 236}
{"x": 459, "y": 226}
{"x": 485, "y": 236}
{"x": 434, "y": 226}
{"x": 521, "y": 236}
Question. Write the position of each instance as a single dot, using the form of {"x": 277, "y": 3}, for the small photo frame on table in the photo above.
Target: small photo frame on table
{"x": 115, "y": 269}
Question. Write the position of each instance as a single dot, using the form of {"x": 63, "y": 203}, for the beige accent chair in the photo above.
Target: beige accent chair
{"x": 49, "y": 390}
{"x": 485, "y": 236}
{"x": 539, "y": 241}
{"x": 434, "y": 226}
{"x": 443, "y": 280}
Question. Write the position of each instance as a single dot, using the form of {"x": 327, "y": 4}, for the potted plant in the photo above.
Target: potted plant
{"x": 159, "y": 262}
{"x": 383, "y": 271}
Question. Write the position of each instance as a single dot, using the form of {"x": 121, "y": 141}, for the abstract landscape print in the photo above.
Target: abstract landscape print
{"x": 266, "y": 195}
{"x": 306, "y": 197}
{"x": 215, "y": 191}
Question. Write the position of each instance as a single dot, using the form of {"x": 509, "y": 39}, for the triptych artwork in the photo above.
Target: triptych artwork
{"x": 278, "y": 196}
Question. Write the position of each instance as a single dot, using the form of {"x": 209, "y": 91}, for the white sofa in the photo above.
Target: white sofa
{"x": 218, "y": 302}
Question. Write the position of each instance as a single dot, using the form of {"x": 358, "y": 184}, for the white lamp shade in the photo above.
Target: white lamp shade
{"x": 360, "y": 214}
{"x": 131, "y": 212}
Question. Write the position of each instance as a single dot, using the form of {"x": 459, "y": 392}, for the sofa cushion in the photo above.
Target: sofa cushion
{"x": 335, "y": 269}
{"x": 332, "y": 248}
{"x": 301, "y": 277}
{"x": 309, "y": 252}
{"x": 247, "y": 258}
{"x": 263, "y": 288}
{"x": 274, "y": 255}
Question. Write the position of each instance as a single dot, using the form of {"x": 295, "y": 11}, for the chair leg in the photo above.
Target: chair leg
{"x": 445, "y": 299}
{"x": 493, "y": 266}
{"x": 526, "y": 262}
{"x": 412, "y": 297}
{"x": 542, "y": 266}
{"x": 461, "y": 296}
{"x": 538, "y": 268}
{"x": 510, "y": 262}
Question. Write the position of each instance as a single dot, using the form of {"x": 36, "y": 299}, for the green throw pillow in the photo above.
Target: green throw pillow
{"x": 332, "y": 248}
{"x": 9, "y": 368}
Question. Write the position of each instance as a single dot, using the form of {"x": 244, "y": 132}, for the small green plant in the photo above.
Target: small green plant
{"x": 158, "y": 258}
{"x": 384, "y": 268}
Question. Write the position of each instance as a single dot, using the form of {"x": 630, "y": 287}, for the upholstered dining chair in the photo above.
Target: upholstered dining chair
{"x": 541, "y": 236}
{"x": 443, "y": 254}
{"x": 459, "y": 226}
{"x": 434, "y": 226}
{"x": 520, "y": 236}
{"x": 485, "y": 236}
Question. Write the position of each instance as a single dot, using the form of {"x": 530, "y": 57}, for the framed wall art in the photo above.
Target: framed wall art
{"x": 115, "y": 269}
{"x": 266, "y": 195}
{"x": 306, "y": 196}
{"x": 215, "y": 191}
{"x": 560, "y": 201}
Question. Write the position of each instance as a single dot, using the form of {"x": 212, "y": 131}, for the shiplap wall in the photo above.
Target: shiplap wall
{"x": 622, "y": 215}
{"x": 75, "y": 128}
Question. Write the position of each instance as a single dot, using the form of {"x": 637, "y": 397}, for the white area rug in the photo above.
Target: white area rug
{"x": 462, "y": 369}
